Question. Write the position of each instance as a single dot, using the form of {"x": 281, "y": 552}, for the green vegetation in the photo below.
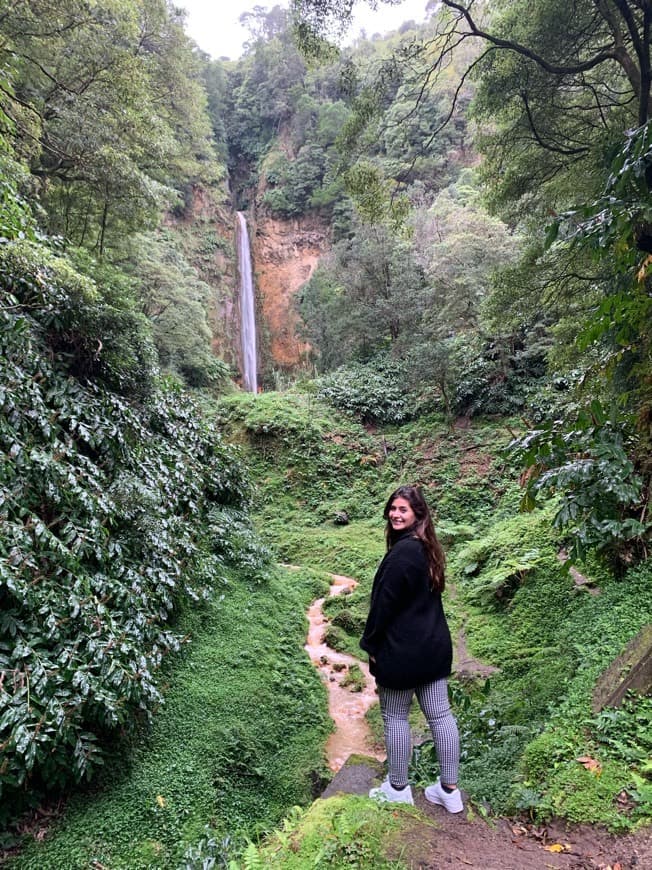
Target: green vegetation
{"x": 488, "y": 285}
{"x": 237, "y": 743}
{"x": 114, "y": 521}
{"x": 519, "y": 286}
{"x": 520, "y": 608}
{"x": 342, "y": 832}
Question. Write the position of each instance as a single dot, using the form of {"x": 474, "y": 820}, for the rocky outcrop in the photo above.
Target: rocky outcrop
{"x": 631, "y": 671}
{"x": 285, "y": 254}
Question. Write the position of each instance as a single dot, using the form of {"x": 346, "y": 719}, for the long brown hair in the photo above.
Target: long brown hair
{"x": 423, "y": 529}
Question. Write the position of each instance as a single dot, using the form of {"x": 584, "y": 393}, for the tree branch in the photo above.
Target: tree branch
{"x": 548, "y": 147}
{"x": 603, "y": 54}
{"x": 405, "y": 174}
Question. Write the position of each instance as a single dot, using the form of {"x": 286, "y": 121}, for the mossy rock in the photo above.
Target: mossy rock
{"x": 630, "y": 671}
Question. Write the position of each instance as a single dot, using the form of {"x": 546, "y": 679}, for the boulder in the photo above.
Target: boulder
{"x": 630, "y": 671}
{"x": 358, "y": 774}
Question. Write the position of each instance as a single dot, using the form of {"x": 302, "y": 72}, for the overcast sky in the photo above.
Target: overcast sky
{"x": 214, "y": 25}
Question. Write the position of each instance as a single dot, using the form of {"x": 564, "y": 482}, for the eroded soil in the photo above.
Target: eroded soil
{"x": 468, "y": 840}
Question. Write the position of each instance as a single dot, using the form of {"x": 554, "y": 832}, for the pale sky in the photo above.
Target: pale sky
{"x": 214, "y": 25}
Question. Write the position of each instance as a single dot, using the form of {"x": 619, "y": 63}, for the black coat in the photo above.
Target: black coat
{"x": 406, "y": 631}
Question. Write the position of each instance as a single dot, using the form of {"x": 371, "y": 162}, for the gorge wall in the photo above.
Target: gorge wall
{"x": 206, "y": 235}
{"x": 285, "y": 254}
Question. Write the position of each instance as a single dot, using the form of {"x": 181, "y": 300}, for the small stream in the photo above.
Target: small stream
{"x": 346, "y": 708}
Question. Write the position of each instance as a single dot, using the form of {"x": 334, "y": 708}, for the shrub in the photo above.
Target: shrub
{"x": 587, "y": 462}
{"x": 374, "y": 392}
{"x": 103, "y": 506}
{"x": 90, "y": 337}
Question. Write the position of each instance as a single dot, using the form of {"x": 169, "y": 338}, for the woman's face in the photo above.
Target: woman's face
{"x": 401, "y": 516}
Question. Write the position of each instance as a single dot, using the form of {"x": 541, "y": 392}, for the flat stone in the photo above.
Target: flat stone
{"x": 357, "y": 775}
{"x": 630, "y": 671}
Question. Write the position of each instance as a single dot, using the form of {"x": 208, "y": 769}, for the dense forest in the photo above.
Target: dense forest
{"x": 477, "y": 321}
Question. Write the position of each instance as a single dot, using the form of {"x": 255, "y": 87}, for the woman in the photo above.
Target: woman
{"x": 410, "y": 650}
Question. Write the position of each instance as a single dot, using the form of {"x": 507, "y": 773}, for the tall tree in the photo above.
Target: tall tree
{"x": 564, "y": 103}
{"x": 107, "y": 106}
{"x": 368, "y": 297}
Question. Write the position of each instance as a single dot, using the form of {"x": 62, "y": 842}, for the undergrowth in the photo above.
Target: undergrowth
{"x": 241, "y": 736}
{"x": 238, "y": 742}
{"x": 551, "y": 640}
{"x": 341, "y": 832}
{"x": 520, "y": 608}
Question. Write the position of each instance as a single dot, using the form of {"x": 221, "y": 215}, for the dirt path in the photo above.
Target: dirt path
{"x": 346, "y": 708}
{"x": 467, "y": 840}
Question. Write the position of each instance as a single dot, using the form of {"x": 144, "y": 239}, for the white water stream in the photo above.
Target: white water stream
{"x": 247, "y": 307}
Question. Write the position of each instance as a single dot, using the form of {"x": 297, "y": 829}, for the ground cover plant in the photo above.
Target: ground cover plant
{"x": 345, "y": 831}
{"x": 237, "y": 744}
{"x": 525, "y": 739}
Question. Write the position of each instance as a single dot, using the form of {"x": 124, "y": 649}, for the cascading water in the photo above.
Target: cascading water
{"x": 247, "y": 307}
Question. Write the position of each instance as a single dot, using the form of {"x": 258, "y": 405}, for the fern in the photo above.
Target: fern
{"x": 252, "y": 859}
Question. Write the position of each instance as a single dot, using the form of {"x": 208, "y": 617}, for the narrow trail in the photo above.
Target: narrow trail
{"x": 346, "y": 708}
{"x": 464, "y": 840}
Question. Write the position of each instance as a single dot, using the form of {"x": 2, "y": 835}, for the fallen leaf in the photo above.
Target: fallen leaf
{"x": 589, "y": 763}
{"x": 558, "y": 847}
{"x": 160, "y": 800}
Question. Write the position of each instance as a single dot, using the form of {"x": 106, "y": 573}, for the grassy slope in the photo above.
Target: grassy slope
{"x": 521, "y": 610}
{"x": 238, "y": 742}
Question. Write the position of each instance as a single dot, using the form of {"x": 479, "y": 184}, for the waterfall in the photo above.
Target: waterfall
{"x": 247, "y": 308}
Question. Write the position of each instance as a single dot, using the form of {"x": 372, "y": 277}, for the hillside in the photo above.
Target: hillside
{"x": 519, "y": 608}
{"x": 451, "y": 279}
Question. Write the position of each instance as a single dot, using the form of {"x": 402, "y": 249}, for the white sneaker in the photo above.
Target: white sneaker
{"x": 451, "y": 801}
{"x": 387, "y": 792}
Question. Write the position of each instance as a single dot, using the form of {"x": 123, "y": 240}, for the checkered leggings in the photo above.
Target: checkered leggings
{"x": 433, "y": 700}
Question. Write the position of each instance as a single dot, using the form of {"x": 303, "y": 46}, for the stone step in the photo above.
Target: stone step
{"x": 357, "y": 775}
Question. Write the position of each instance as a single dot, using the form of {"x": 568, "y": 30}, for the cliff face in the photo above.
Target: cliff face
{"x": 285, "y": 254}
{"x": 206, "y": 234}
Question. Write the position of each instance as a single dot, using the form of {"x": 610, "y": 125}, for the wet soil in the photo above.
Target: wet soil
{"x": 346, "y": 707}
{"x": 468, "y": 840}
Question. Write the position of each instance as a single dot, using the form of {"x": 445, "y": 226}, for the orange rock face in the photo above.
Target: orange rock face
{"x": 285, "y": 254}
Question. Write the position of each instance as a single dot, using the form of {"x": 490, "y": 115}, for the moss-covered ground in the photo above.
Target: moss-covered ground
{"x": 238, "y": 742}
{"x": 520, "y": 609}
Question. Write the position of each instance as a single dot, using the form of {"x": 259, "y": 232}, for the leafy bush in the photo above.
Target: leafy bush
{"x": 374, "y": 392}
{"x": 587, "y": 463}
{"x": 91, "y": 337}
{"x": 16, "y": 221}
{"x": 103, "y": 506}
{"x": 239, "y": 741}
